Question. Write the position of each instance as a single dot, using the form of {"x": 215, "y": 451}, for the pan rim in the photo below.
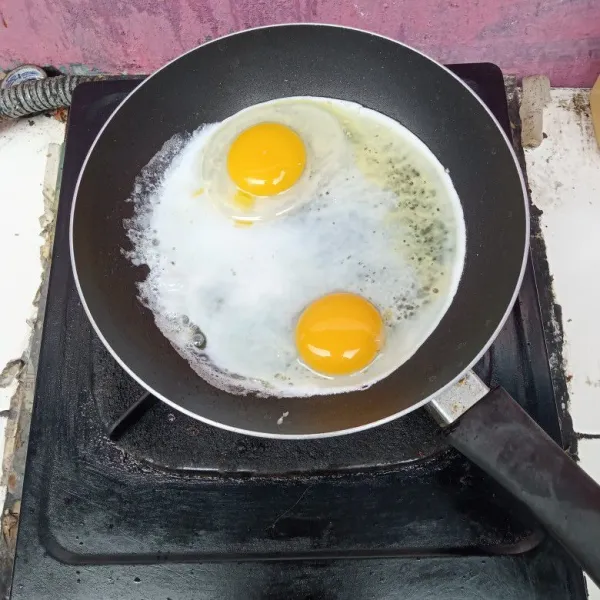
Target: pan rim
{"x": 327, "y": 434}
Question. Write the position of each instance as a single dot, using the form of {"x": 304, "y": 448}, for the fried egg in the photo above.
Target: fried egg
{"x": 270, "y": 158}
{"x": 303, "y": 246}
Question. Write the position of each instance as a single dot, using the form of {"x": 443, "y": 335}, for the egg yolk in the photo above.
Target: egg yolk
{"x": 339, "y": 334}
{"x": 266, "y": 159}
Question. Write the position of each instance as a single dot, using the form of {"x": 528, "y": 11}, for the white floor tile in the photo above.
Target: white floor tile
{"x": 589, "y": 456}
{"x": 593, "y": 590}
{"x": 23, "y": 149}
{"x": 564, "y": 176}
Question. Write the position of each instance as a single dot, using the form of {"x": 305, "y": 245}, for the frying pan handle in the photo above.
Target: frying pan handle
{"x": 502, "y": 439}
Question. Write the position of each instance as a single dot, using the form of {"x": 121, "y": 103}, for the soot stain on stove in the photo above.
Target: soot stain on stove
{"x": 186, "y": 443}
{"x": 551, "y": 310}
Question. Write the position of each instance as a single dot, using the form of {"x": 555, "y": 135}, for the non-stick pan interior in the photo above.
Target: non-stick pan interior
{"x": 214, "y": 81}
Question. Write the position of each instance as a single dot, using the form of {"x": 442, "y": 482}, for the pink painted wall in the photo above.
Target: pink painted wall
{"x": 557, "y": 37}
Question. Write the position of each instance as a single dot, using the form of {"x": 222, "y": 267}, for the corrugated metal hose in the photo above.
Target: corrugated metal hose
{"x": 38, "y": 96}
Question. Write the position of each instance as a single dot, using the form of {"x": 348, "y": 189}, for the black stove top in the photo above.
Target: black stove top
{"x": 125, "y": 498}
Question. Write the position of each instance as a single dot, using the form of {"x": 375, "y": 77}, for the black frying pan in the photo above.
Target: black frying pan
{"x": 222, "y": 77}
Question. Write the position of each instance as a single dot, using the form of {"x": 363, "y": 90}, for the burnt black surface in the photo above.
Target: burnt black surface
{"x": 162, "y": 512}
{"x": 215, "y": 81}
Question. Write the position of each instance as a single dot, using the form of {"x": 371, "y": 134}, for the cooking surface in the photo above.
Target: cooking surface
{"x": 169, "y": 489}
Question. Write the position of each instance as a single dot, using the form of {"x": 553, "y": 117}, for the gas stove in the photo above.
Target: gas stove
{"x": 125, "y": 498}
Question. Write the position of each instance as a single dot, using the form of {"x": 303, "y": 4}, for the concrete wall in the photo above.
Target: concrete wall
{"x": 557, "y": 37}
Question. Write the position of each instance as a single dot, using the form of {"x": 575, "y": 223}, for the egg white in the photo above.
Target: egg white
{"x": 384, "y": 222}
